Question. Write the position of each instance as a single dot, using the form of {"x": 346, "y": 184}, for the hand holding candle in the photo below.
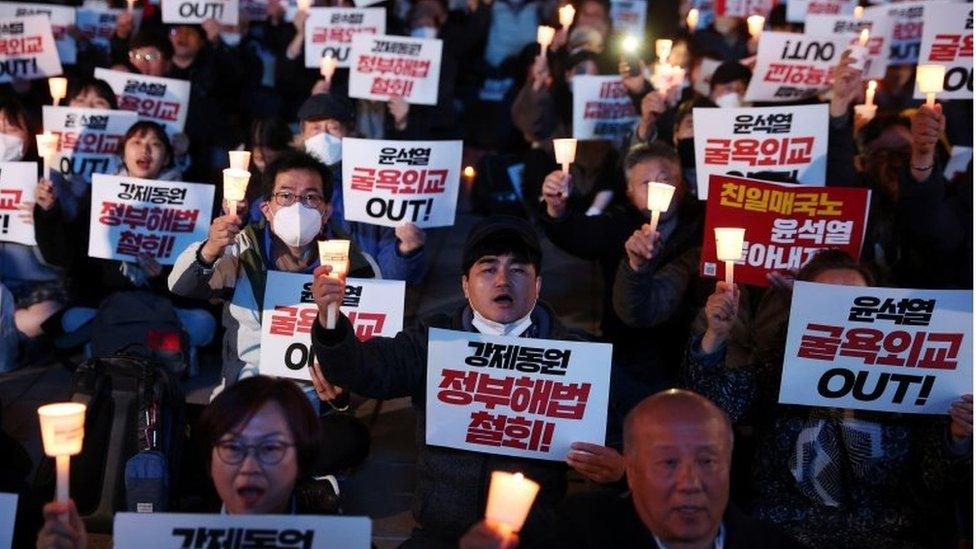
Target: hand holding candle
{"x": 62, "y": 433}
{"x": 510, "y": 498}
{"x": 59, "y": 88}
{"x": 47, "y": 147}
{"x": 867, "y": 111}
{"x": 659, "y": 197}
{"x": 565, "y": 150}
{"x": 929, "y": 79}
{"x": 756, "y": 24}
{"x": 728, "y": 248}
{"x": 235, "y": 187}
{"x": 327, "y": 67}
{"x": 334, "y": 253}
{"x": 566, "y": 15}
{"x": 544, "y": 36}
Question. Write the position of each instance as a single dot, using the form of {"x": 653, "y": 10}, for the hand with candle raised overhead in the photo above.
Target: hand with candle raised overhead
{"x": 721, "y": 310}
{"x": 640, "y": 247}
{"x": 961, "y": 412}
{"x": 634, "y": 84}
{"x": 539, "y": 73}
{"x": 598, "y": 463}
{"x": 846, "y": 88}
{"x": 488, "y": 535}
{"x": 927, "y": 128}
{"x": 554, "y": 193}
{"x": 58, "y": 533}
{"x": 327, "y": 291}
{"x": 223, "y": 232}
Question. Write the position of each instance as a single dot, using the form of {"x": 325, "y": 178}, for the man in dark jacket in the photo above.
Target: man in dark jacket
{"x": 501, "y": 264}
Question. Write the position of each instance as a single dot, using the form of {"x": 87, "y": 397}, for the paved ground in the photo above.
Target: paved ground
{"x": 383, "y": 486}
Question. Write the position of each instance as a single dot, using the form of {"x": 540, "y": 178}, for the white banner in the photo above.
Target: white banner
{"x": 906, "y": 31}
{"x": 175, "y": 530}
{"x": 61, "y": 18}
{"x": 27, "y": 49}
{"x": 602, "y": 109}
{"x": 390, "y": 183}
{"x": 515, "y": 396}
{"x": 88, "y": 139}
{"x": 374, "y": 307}
{"x": 797, "y": 11}
{"x": 947, "y": 39}
{"x": 161, "y": 100}
{"x": 783, "y": 144}
{"x": 382, "y": 67}
{"x": 132, "y": 217}
{"x": 883, "y": 349}
{"x": 879, "y": 26}
{"x": 18, "y": 182}
{"x": 628, "y": 17}
{"x": 793, "y": 66}
{"x": 98, "y": 25}
{"x": 329, "y": 31}
{"x": 192, "y": 12}
{"x": 8, "y": 516}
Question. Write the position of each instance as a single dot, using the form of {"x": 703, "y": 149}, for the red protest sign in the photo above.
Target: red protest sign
{"x": 786, "y": 225}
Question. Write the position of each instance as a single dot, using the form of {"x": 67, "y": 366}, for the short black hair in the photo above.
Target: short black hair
{"x": 643, "y": 152}
{"x": 296, "y": 160}
{"x": 878, "y": 125}
{"x": 147, "y": 38}
{"x": 830, "y": 259}
{"x": 688, "y": 107}
{"x": 502, "y": 244}
{"x": 147, "y": 126}
{"x": 78, "y": 86}
{"x": 271, "y": 133}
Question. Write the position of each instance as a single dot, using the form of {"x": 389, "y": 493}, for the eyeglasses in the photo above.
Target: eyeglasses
{"x": 287, "y": 198}
{"x": 268, "y": 453}
{"x": 147, "y": 57}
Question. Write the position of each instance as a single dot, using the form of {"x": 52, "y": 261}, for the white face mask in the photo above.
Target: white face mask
{"x": 326, "y": 147}
{"x": 424, "y": 32}
{"x": 11, "y": 148}
{"x": 231, "y": 39}
{"x": 297, "y": 225}
{"x": 729, "y": 100}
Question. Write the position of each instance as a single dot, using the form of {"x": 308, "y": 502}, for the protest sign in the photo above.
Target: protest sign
{"x": 88, "y": 139}
{"x": 329, "y": 32}
{"x": 882, "y": 349}
{"x": 8, "y": 513}
{"x": 169, "y": 530}
{"x": 515, "y": 396}
{"x": 602, "y": 108}
{"x": 390, "y": 183}
{"x": 786, "y": 225}
{"x": 97, "y": 25}
{"x": 132, "y": 217}
{"x": 793, "y": 66}
{"x": 906, "y": 31}
{"x": 628, "y": 16}
{"x": 18, "y": 181}
{"x": 374, "y": 307}
{"x": 743, "y": 8}
{"x": 959, "y": 160}
{"x": 27, "y": 49}
{"x": 394, "y": 66}
{"x": 798, "y": 10}
{"x": 254, "y": 10}
{"x": 786, "y": 144}
{"x": 194, "y": 12}
{"x": 947, "y": 39}
{"x": 61, "y": 18}
{"x": 162, "y": 100}
{"x": 879, "y": 26}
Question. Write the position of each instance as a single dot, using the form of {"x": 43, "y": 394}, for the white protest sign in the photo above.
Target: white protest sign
{"x": 329, "y": 32}
{"x": 18, "y": 181}
{"x": 958, "y": 162}
{"x": 906, "y": 31}
{"x": 879, "y": 26}
{"x": 171, "y": 530}
{"x": 88, "y": 139}
{"x": 784, "y": 144}
{"x": 793, "y": 66}
{"x": 374, "y": 307}
{"x": 8, "y": 515}
{"x": 382, "y": 67}
{"x": 27, "y": 49}
{"x": 97, "y": 25}
{"x": 628, "y": 16}
{"x": 798, "y": 10}
{"x": 389, "y": 183}
{"x": 602, "y": 109}
{"x": 883, "y": 349}
{"x": 515, "y": 396}
{"x": 132, "y": 217}
{"x": 947, "y": 39}
{"x": 162, "y": 100}
{"x": 743, "y": 8}
{"x": 61, "y": 18}
{"x": 192, "y": 12}
{"x": 364, "y": 3}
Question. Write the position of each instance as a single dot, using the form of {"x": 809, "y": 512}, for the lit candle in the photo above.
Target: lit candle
{"x": 692, "y": 19}
{"x": 327, "y": 67}
{"x": 544, "y": 36}
{"x": 756, "y": 24}
{"x": 662, "y": 47}
{"x": 929, "y": 79}
{"x": 59, "y": 88}
{"x": 565, "y": 150}
{"x": 239, "y": 160}
{"x": 62, "y": 433}
{"x": 469, "y": 173}
{"x": 334, "y": 253}
{"x": 869, "y": 95}
{"x": 566, "y": 15}
{"x": 235, "y": 187}
{"x": 858, "y": 53}
{"x": 658, "y": 200}
{"x": 867, "y": 111}
{"x": 858, "y": 12}
{"x": 510, "y": 498}
{"x": 728, "y": 248}
{"x": 304, "y": 5}
{"x": 47, "y": 147}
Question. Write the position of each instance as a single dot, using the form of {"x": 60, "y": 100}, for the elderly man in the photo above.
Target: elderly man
{"x": 500, "y": 264}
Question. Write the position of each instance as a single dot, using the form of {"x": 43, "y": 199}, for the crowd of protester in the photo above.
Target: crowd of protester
{"x": 696, "y": 363}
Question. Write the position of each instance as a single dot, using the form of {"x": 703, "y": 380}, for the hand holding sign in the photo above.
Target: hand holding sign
{"x": 410, "y": 238}
{"x": 721, "y": 309}
{"x": 598, "y": 463}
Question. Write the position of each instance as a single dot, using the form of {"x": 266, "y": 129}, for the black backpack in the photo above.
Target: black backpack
{"x": 135, "y": 323}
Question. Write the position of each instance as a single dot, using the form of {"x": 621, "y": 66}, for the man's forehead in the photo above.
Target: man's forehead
{"x": 299, "y": 178}
{"x": 500, "y": 258}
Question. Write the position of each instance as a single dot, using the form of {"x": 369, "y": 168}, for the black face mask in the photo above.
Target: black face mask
{"x": 686, "y": 151}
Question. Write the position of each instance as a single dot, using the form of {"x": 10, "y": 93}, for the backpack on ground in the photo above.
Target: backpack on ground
{"x": 140, "y": 323}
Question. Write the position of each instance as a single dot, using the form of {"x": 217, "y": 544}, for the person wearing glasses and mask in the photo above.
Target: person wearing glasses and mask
{"x": 259, "y": 440}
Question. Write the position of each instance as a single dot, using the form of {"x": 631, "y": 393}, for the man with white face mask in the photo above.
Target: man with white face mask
{"x": 232, "y": 264}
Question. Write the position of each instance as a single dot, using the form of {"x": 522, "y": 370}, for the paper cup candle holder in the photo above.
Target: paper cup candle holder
{"x": 47, "y": 147}
{"x": 756, "y": 24}
{"x": 658, "y": 201}
{"x": 510, "y": 497}
{"x": 929, "y": 79}
{"x": 566, "y": 15}
{"x": 235, "y": 187}
{"x": 728, "y": 247}
{"x": 62, "y": 433}
{"x": 334, "y": 253}
{"x": 565, "y": 150}
{"x": 59, "y": 88}
{"x": 544, "y": 37}
{"x": 327, "y": 67}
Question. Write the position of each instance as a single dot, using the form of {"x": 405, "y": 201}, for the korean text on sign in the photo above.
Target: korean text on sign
{"x": 329, "y": 32}
{"x": 27, "y": 49}
{"x": 382, "y": 67}
{"x": 515, "y": 396}
{"x": 18, "y": 180}
{"x": 88, "y": 139}
{"x": 947, "y": 39}
{"x": 786, "y": 144}
{"x": 602, "y": 109}
{"x": 162, "y": 100}
{"x": 197, "y": 11}
{"x": 61, "y": 18}
{"x": 373, "y": 307}
{"x": 793, "y": 66}
{"x": 786, "y": 225}
{"x": 884, "y": 349}
{"x": 133, "y": 217}
{"x": 874, "y": 19}
{"x": 394, "y": 182}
